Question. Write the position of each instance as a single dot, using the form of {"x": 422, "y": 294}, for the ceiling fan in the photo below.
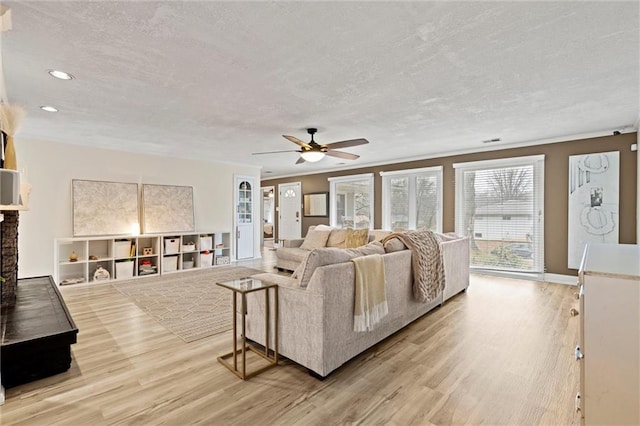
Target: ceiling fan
{"x": 313, "y": 151}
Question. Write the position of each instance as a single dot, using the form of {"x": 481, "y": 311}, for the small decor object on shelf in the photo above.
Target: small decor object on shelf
{"x": 147, "y": 251}
{"x": 73, "y": 257}
{"x": 190, "y": 246}
{"x": 222, "y": 260}
{"x": 75, "y": 280}
{"x": 92, "y": 257}
{"x": 101, "y": 274}
{"x": 146, "y": 268}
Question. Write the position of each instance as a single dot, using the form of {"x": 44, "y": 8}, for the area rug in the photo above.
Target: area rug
{"x": 189, "y": 304}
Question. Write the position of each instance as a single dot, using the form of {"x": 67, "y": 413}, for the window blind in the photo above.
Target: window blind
{"x": 500, "y": 205}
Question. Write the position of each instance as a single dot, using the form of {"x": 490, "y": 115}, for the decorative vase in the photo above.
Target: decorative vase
{"x": 101, "y": 274}
{"x": 10, "y": 161}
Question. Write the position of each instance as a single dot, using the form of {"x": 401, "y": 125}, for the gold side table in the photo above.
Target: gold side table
{"x": 242, "y": 287}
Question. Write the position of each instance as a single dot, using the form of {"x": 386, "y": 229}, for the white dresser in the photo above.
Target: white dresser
{"x": 609, "y": 347}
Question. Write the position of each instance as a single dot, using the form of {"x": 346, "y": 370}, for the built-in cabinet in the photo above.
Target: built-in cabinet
{"x": 609, "y": 344}
{"x": 108, "y": 258}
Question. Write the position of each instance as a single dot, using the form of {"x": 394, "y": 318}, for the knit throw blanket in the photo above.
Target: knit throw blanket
{"x": 370, "y": 305}
{"x": 426, "y": 261}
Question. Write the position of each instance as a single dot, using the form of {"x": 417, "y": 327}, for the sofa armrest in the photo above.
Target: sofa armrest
{"x": 300, "y": 321}
{"x": 455, "y": 253}
{"x": 292, "y": 243}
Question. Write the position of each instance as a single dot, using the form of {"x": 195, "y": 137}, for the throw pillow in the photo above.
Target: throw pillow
{"x": 356, "y": 238}
{"x": 394, "y": 244}
{"x": 337, "y": 237}
{"x": 377, "y": 234}
{"x": 329, "y": 256}
{"x": 299, "y": 269}
{"x": 316, "y": 238}
{"x": 374, "y": 247}
{"x": 320, "y": 257}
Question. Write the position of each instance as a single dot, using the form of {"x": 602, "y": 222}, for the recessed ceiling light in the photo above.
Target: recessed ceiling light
{"x": 268, "y": 171}
{"x": 48, "y": 108}
{"x": 60, "y": 74}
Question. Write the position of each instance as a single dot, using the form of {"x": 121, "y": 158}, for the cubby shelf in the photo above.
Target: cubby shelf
{"x": 126, "y": 257}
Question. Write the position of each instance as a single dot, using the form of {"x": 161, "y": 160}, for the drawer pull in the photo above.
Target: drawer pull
{"x": 579, "y": 354}
{"x": 574, "y": 312}
{"x": 578, "y": 408}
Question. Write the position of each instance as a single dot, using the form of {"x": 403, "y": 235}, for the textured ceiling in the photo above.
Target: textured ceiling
{"x": 220, "y": 80}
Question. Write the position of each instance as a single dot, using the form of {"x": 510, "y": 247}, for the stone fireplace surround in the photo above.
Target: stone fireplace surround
{"x": 9, "y": 256}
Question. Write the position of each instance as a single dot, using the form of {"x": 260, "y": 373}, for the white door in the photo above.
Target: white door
{"x": 244, "y": 188}
{"x": 289, "y": 207}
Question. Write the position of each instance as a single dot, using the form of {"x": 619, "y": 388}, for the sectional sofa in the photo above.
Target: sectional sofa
{"x": 315, "y": 324}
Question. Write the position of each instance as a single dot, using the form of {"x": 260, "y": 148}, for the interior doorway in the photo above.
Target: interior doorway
{"x": 268, "y": 214}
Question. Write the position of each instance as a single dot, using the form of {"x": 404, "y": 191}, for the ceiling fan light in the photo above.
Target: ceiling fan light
{"x": 312, "y": 156}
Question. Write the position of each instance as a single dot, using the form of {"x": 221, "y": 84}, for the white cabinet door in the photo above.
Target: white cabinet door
{"x": 244, "y": 189}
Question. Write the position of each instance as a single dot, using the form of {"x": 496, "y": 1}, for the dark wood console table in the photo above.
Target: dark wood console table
{"x": 37, "y": 333}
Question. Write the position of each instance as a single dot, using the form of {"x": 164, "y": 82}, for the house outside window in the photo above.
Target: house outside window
{"x": 351, "y": 201}
{"x": 500, "y": 205}
{"x": 412, "y": 199}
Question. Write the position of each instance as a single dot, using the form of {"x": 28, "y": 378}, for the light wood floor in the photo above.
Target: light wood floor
{"x": 501, "y": 353}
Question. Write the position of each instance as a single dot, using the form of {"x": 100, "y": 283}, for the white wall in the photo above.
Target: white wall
{"x": 49, "y": 167}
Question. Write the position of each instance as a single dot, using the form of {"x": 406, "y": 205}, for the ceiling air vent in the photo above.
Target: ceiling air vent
{"x": 491, "y": 140}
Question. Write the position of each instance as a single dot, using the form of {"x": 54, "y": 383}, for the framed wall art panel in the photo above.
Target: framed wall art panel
{"x": 104, "y": 208}
{"x": 594, "y": 182}
{"x": 167, "y": 208}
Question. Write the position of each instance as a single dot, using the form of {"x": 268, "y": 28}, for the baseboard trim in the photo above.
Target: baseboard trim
{"x": 542, "y": 277}
{"x": 560, "y": 279}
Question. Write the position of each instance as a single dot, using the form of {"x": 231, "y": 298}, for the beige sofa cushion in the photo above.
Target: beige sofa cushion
{"x": 295, "y": 254}
{"x": 330, "y": 255}
{"x": 316, "y": 237}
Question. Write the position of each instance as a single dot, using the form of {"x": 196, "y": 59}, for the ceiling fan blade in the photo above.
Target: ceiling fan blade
{"x": 346, "y": 144}
{"x": 340, "y": 154}
{"x": 274, "y": 152}
{"x": 296, "y": 141}
{"x": 300, "y": 160}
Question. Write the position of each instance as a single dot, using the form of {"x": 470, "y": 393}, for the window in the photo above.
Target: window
{"x": 500, "y": 204}
{"x": 351, "y": 201}
{"x": 412, "y": 199}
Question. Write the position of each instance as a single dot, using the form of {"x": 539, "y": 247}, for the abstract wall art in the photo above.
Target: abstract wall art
{"x": 167, "y": 208}
{"x": 104, "y": 208}
{"x": 594, "y": 181}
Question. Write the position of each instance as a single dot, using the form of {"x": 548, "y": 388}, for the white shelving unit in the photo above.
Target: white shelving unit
{"x": 127, "y": 257}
